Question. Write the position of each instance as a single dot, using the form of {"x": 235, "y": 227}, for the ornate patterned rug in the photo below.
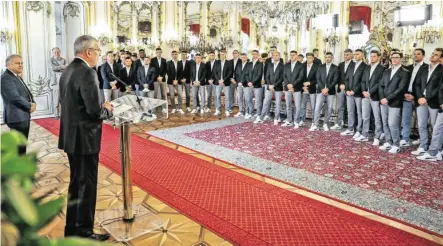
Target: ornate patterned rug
{"x": 397, "y": 186}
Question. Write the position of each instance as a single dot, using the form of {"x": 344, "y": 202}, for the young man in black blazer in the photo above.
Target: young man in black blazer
{"x": 198, "y": 82}
{"x": 309, "y": 87}
{"x": 175, "y": 71}
{"x": 274, "y": 80}
{"x": 371, "y": 102}
{"x": 243, "y": 89}
{"x": 211, "y": 82}
{"x": 146, "y": 76}
{"x": 293, "y": 83}
{"x": 186, "y": 81}
{"x": 255, "y": 78}
{"x": 426, "y": 92}
{"x": 391, "y": 91}
{"x": 160, "y": 64}
{"x": 129, "y": 76}
{"x": 327, "y": 77}
{"x": 341, "y": 94}
{"x": 354, "y": 78}
{"x": 222, "y": 72}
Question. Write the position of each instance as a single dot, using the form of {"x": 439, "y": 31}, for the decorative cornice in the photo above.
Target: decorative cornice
{"x": 71, "y": 9}
{"x": 37, "y": 6}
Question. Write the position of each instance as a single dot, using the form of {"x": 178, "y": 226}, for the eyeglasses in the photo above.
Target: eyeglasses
{"x": 395, "y": 57}
{"x": 98, "y": 50}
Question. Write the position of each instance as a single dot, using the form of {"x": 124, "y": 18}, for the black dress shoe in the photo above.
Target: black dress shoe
{"x": 99, "y": 237}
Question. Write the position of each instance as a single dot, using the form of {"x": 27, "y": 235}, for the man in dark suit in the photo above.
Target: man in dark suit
{"x": 211, "y": 82}
{"x": 198, "y": 82}
{"x": 146, "y": 76}
{"x": 426, "y": 91}
{"x": 327, "y": 78}
{"x": 354, "y": 78}
{"x": 293, "y": 83}
{"x": 274, "y": 81}
{"x": 223, "y": 78}
{"x": 186, "y": 81}
{"x": 236, "y": 61}
{"x": 341, "y": 94}
{"x": 18, "y": 102}
{"x": 80, "y": 135}
{"x": 371, "y": 102}
{"x": 160, "y": 64}
{"x": 391, "y": 91}
{"x": 317, "y": 60}
{"x": 108, "y": 68}
{"x": 139, "y": 62}
{"x": 175, "y": 73}
{"x": 242, "y": 78}
{"x": 129, "y": 76}
{"x": 419, "y": 67}
{"x": 255, "y": 79}
{"x": 309, "y": 87}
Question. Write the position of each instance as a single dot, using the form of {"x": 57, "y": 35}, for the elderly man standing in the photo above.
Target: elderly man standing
{"x": 58, "y": 64}
{"x": 18, "y": 101}
{"x": 80, "y": 135}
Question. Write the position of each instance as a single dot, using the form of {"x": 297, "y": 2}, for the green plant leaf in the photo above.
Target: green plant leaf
{"x": 11, "y": 140}
{"x": 47, "y": 211}
{"x": 19, "y": 165}
{"x": 21, "y": 202}
{"x": 71, "y": 241}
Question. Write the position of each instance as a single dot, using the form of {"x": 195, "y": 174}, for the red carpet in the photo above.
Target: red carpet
{"x": 241, "y": 209}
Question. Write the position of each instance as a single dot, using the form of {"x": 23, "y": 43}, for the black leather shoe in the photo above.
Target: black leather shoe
{"x": 99, "y": 237}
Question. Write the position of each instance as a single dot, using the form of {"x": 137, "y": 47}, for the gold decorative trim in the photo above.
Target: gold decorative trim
{"x": 17, "y": 34}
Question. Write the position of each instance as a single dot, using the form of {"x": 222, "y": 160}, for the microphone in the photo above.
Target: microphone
{"x": 127, "y": 86}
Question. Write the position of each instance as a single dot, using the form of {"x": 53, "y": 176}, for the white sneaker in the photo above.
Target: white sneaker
{"x": 173, "y": 111}
{"x": 194, "y": 111}
{"x": 376, "y": 142}
{"x": 385, "y": 147}
{"x": 361, "y": 139}
{"x": 286, "y": 124}
{"x": 238, "y": 114}
{"x": 313, "y": 128}
{"x": 254, "y": 116}
{"x": 394, "y": 150}
{"x": 227, "y": 114}
{"x": 181, "y": 111}
{"x": 266, "y": 118}
{"x": 347, "y": 133}
{"x": 188, "y": 109}
{"x": 403, "y": 143}
{"x": 198, "y": 108}
{"x": 275, "y": 122}
{"x": 356, "y": 135}
{"x": 428, "y": 157}
{"x": 296, "y": 125}
{"x": 247, "y": 116}
{"x": 164, "y": 111}
{"x": 419, "y": 151}
{"x": 301, "y": 123}
{"x": 382, "y": 136}
{"x": 208, "y": 110}
{"x": 279, "y": 120}
{"x": 217, "y": 113}
{"x": 154, "y": 116}
{"x": 258, "y": 121}
{"x": 335, "y": 127}
{"x": 416, "y": 142}
{"x": 202, "y": 111}
{"x": 325, "y": 128}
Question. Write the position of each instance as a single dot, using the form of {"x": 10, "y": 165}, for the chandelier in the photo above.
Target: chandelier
{"x": 202, "y": 44}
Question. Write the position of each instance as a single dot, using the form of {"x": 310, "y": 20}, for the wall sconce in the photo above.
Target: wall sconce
{"x": 331, "y": 37}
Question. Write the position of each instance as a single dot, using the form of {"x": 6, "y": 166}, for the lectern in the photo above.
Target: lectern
{"x": 130, "y": 221}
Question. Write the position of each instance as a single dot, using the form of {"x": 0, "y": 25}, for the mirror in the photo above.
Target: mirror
{"x": 124, "y": 19}
{"x": 144, "y": 21}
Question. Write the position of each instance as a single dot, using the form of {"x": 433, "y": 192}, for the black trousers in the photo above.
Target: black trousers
{"x": 23, "y": 128}
{"x": 82, "y": 194}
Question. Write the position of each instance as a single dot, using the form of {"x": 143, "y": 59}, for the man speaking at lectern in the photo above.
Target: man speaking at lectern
{"x": 80, "y": 135}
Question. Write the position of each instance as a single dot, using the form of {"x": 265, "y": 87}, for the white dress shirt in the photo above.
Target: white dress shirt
{"x": 159, "y": 62}
{"x": 128, "y": 69}
{"x": 347, "y": 65}
{"x": 292, "y": 66}
{"x": 146, "y": 69}
{"x": 373, "y": 66}
{"x": 394, "y": 70}
{"x": 196, "y": 71}
{"x": 414, "y": 74}
{"x": 184, "y": 64}
{"x": 275, "y": 65}
{"x": 222, "y": 65}
{"x": 112, "y": 67}
{"x": 328, "y": 66}
{"x": 308, "y": 69}
{"x": 357, "y": 64}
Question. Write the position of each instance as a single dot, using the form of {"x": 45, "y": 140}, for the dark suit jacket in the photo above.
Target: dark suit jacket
{"x": 328, "y": 81}
{"x": 100, "y": 78}
{"x": 129, "y": 79}
{"x": 172, "y": 74}
{"x": 423, "y": 69}
{"x": 161, "y": 70}
{"x": 137, "y": 64}
{"x": 275, "y": 78}
{"x": 353, "y": 80}
{"x": 431, "y": 86}
{"x": 317, "y": 61}
{"x": 255, "y": 74}
{"x": 82, "y": 111}
{"x": 186, "y": 70}
{"x": 342, "y": 78}
{"x": 201, "y": 73}
{"x": 210, "y": 71}
{"x": 228, "y": 71}
{"x": 105, "y": 71}
{"x": 394, "y": 89}
{"x": 235, "y": 67}
{"x": 311, "y": 77}
{"x": 17, "y": 99}
{"x": 440, "y": 95}
{"x": 149, "y": 78}
{"x": 294, "y": 77}
{"x": 242, "y": 75}
{"x": 371, "y": 84}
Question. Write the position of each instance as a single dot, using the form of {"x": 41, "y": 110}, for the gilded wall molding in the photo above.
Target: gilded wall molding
{"x": 37, "y": 6}
{"x": 71, "y": 9}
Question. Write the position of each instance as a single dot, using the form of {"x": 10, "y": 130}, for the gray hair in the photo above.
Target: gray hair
{"x": 83, "y": 43}
{"x": 11, "y": 57}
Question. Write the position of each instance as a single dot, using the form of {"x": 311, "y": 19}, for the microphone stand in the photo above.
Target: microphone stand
{"x": 127, "y": 86}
